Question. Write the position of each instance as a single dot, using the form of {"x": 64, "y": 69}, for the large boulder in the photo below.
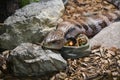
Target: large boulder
{"x": 108, "y": 37}
{"x": 31, "y": 23}
{"x": 31, "y": 60}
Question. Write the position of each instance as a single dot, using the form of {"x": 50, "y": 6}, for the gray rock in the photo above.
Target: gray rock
{"x": 108, "y": 37}
{"x": 31, "y": 60}
{"x": 31, "y": 23}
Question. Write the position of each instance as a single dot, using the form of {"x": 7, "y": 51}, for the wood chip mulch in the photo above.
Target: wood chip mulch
{"x": 102, "y": 64}
{"x": 79, "y": 9}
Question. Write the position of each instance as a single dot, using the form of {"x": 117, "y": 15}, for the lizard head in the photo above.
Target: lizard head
{"x": 54, "y": 40}
{"x": 57, "y": 38}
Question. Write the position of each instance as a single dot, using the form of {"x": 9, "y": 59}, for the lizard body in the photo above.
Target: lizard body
{"x": 89, "y": 25}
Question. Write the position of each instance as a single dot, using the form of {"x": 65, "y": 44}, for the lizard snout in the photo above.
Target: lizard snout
{"x": 54, "y": 40}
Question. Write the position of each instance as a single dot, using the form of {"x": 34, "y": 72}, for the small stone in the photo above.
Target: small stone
{"x": 6, "y": 53}
{"x": 118, "y": 56}
{"x": 62, "y": 75}
{"x": 112, "y": 53}
{"x": 95, "y": 47}
{"x": 87, "y": 59}
{"x": 118, "y": 62}
{"x": 108, "y": 55}
{"x": 97, "y": 57}
{"x": 95, "y": 51}
{"x": 113, "y": 49}
{"x": 105, "y": 61}
{"x": 115, "y": 73}
{"x": 66, "y": 78}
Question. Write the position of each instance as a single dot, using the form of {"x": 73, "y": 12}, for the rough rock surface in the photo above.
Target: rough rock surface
{"x": 109, "y": 36}
{"x": 31, "y": 23}
{"x": 31, "y": 60}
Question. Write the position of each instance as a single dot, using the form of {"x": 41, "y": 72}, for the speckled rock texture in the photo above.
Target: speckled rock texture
{"x": 32, "y": 60}
{"x": 109, "y": 36}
